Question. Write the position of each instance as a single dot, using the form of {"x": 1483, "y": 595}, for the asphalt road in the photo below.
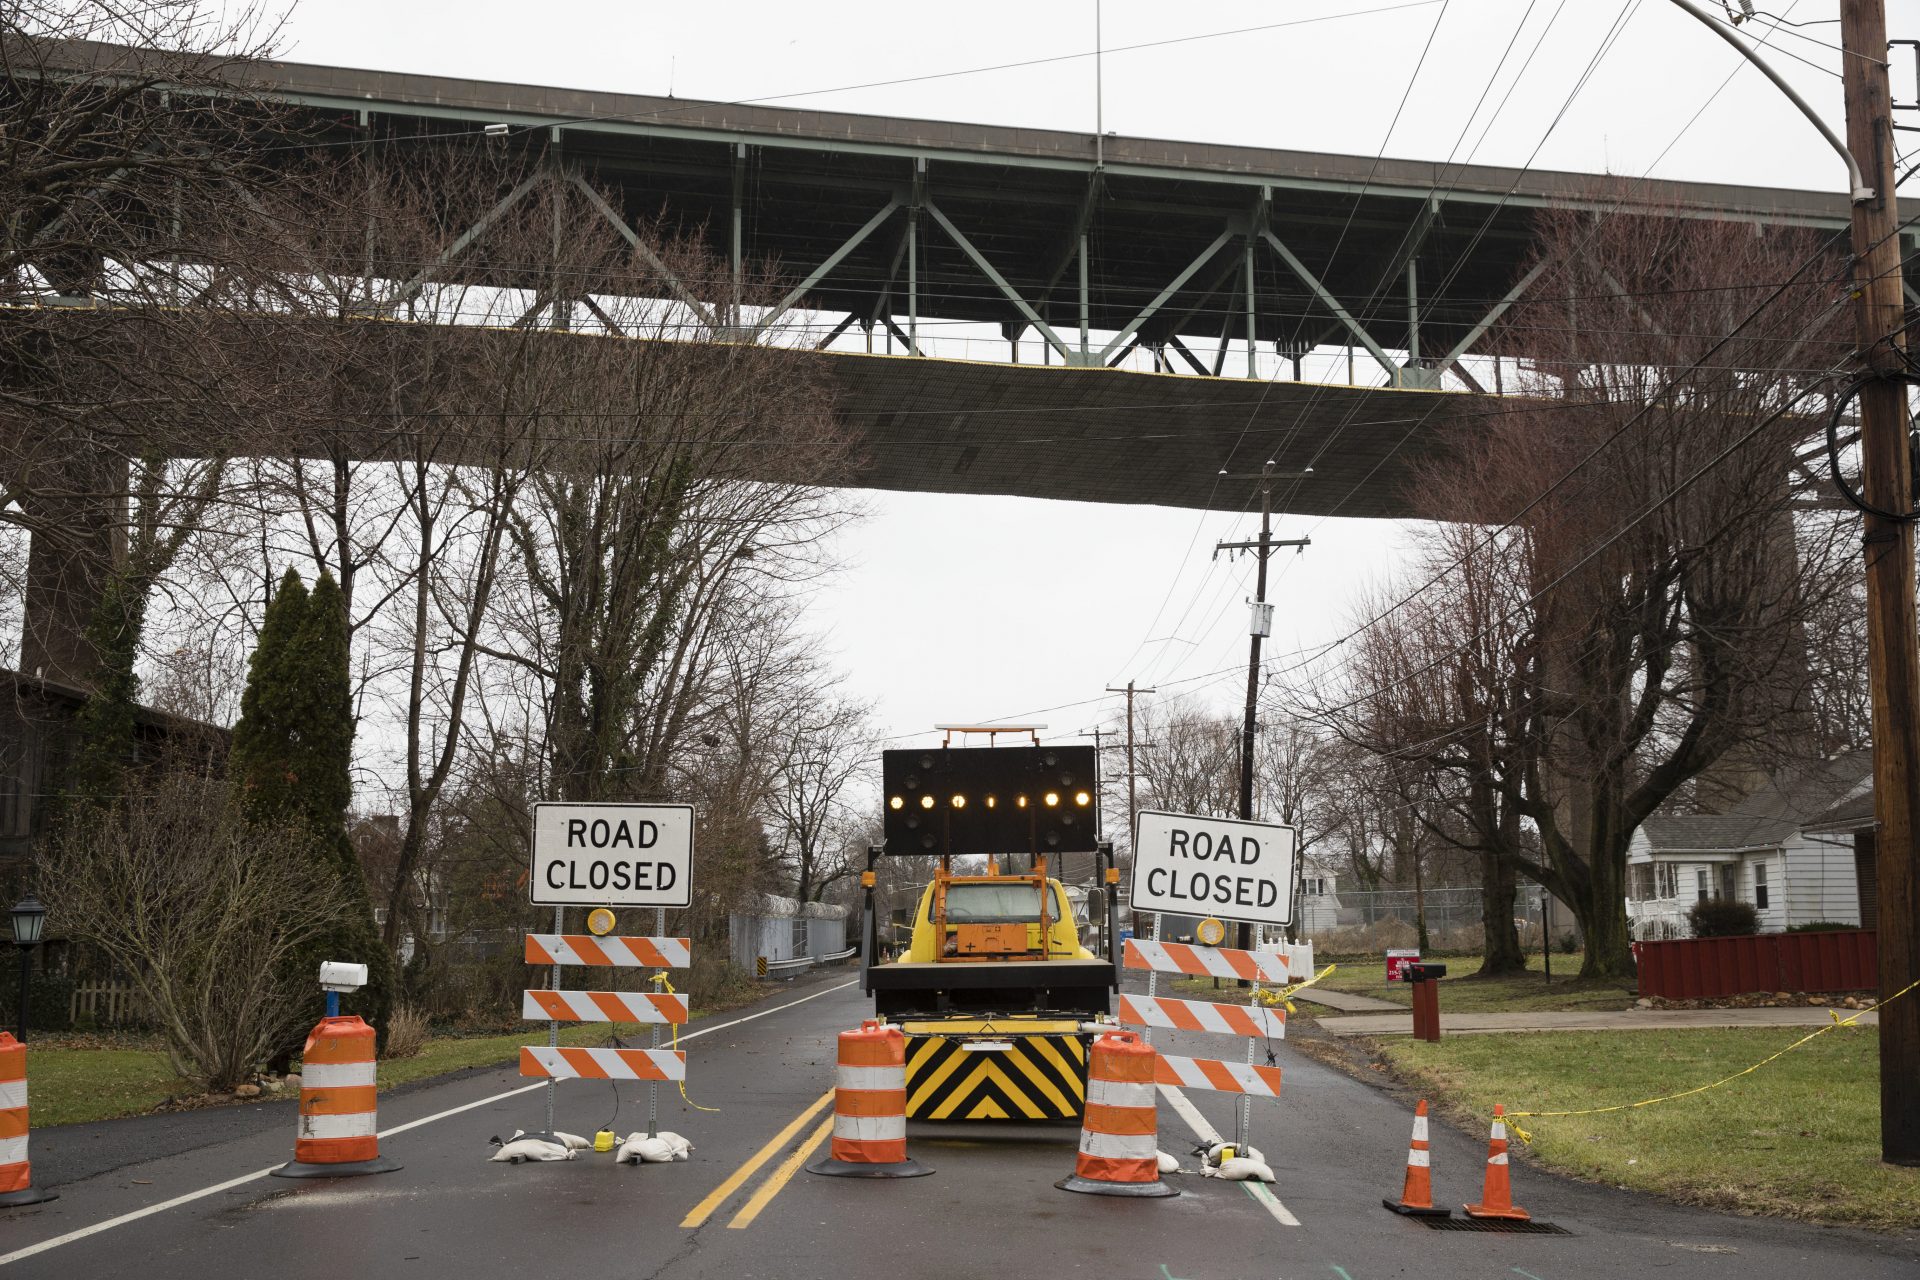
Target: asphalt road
{"x": 990, "y": 1209}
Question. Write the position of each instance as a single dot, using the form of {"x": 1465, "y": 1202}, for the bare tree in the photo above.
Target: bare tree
{"x": 1640, "y": 619}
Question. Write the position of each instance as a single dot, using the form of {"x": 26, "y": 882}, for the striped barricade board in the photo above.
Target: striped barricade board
{"x": 1224, "y": 1077}
{"x": 625, "y": 953}
{"x": 1207, "y": 962}
{"x": 603, "y": 1006}
{"x": 560, "y": 1063}
{"x": 1199, "y": 1015}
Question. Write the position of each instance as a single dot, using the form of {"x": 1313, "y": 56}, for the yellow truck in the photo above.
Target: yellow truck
{"x": 995, "y": 989}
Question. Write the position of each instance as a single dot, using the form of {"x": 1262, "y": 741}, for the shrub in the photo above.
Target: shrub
{"x": 1568, "y": 944}
{"x": 202, "y": 907}
{"x": 1822, "y": 926}
{"x": 1723, "y": 918}
{"x": 406, "y": 1031}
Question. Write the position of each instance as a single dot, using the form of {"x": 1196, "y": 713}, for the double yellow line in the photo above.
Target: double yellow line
{"x": 776, "y": 1180}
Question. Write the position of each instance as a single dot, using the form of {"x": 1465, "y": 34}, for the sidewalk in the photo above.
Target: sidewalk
{"x": 1348, "y": 1002}
{"x": 1400, "y": 1022}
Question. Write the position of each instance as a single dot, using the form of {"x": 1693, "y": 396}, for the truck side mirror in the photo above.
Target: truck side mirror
{"x": 1096, "y": 904}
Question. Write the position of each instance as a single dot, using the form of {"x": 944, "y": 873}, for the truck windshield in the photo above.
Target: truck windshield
{"x": 994, "y": 904}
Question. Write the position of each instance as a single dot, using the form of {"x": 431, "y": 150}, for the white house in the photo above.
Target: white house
{"x": 1318, "y": 907}
{"x": 1759, "y": 850}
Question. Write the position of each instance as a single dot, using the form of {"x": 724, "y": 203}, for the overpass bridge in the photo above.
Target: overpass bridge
{"x": 1217, "y": 268}
{"x": 1137, "y": 300}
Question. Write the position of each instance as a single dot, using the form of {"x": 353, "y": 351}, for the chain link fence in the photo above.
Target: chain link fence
{"x": 1351, "y": 922}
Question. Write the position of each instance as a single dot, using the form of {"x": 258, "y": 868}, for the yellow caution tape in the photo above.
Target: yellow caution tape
{"x": 1836, "y": 1023}
{"x": 660, "y": 979}
{"x": 1283, "y": 995}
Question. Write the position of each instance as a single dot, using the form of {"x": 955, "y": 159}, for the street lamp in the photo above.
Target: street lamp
{"x": 29, "y": 919}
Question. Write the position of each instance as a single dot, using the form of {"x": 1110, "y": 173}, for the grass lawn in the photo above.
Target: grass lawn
{"x": 1461, "y": 992}
{"x": 78, "y": 1078}
{"x": 1799, "y": 1138}
{"x": 74, "y": 1086}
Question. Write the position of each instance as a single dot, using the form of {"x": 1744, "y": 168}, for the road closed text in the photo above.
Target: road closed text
{"x": 612, "y": 854}
{"x": 1192, "y": 865}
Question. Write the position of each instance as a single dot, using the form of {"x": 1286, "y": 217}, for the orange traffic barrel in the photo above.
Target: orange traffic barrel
{"x": 16, "y": 1177}
{"x": 870, "y": 1107}
{"x": 1119, "y": 1134}
{"x": 339, "y": 1131}
{"x": 1416, "y": 1194}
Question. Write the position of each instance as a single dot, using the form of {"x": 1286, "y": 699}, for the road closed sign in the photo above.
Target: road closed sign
{"x": 1194, "y": 866}
{"x": 632, "y": 855}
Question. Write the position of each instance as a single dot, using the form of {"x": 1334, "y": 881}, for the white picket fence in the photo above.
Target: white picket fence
{"x": 106, "y": 1004}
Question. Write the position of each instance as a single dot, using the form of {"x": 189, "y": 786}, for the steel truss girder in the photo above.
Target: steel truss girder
{"x": 1000, "y": 282}
{"x": 825, "y": 269}
{"x": 1330, "y": 302}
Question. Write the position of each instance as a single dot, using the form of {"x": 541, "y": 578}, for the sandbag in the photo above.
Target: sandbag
{"x": 520, "y": 1149}
{"x": 1240, "y": 1169}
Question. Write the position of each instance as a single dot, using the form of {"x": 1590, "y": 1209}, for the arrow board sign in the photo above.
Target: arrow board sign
{"x": 1193, "y": 866}
{"x": 617, "y": 855}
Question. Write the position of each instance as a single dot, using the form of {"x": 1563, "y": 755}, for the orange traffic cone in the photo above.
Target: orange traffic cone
{"x": 1416, "y": 1198}
{"x": 1496, "y": 1198}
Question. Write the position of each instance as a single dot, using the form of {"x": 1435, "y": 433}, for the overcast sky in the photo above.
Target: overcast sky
{"x": 1106, "y": 593}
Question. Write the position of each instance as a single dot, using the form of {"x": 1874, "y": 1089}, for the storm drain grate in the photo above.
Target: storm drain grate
{"x": 1498, "y": 1226}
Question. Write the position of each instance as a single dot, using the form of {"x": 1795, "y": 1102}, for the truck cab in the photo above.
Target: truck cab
{"x": 995, "y": 988}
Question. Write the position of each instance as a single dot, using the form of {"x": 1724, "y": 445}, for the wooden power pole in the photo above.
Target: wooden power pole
{"x": 1893, "y": 640}
{"x": 1261, "y": 624}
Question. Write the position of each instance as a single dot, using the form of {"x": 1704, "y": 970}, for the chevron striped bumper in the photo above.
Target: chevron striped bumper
{"x": 997, "y": 1071}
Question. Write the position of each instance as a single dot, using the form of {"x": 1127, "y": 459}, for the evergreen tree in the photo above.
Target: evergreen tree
{"x": 291, "y": 762}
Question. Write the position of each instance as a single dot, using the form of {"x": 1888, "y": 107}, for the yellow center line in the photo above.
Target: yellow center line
{"x": 704, "y": 1210}
{"x": 778, "y": 1178}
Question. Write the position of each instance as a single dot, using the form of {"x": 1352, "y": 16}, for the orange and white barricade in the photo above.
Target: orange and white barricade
{"x": 870, "y": 1107}
{"x": 1268, "y": 967}
{"x": 1119, "y": 1133}
{"x": 1416, "y": 1194}
{"x": 1222, "y": 1077}
{"x": 16, "y": 1176}
{"x": 339, "y": 1130}
{"x": 1257, "y": 1022}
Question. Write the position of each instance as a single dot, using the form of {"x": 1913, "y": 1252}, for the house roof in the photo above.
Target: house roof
{"x": 1793, "y": 797}
{"x": 1852, "y": 812}
{"x": 1713, "y": 832}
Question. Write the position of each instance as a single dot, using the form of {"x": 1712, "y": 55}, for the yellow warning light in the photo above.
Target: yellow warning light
{"x": 600, "y": 922}
{"x": 1210, "y": 931}
{"x": 1022, "y": 802}
{"x": 1082, "y": 799}
{"x": 866, "y": 879}
{"x": 959, "y": 802}
{"x": 1052, "y": 799}
{"x": 926, "y": 802}
{"x": 1113, "y": 875}
{"x": 896, "y": 803}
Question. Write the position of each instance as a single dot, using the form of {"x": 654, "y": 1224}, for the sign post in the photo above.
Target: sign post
{"x": 607, "y": 855}
{"x": 1221, "y": 868}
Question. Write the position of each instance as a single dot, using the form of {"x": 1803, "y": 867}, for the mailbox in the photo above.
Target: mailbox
{"x": 1422, "y": 972}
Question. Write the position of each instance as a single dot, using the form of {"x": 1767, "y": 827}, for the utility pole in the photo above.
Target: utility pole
{"x": 1100, "y": 780}
{"x": 1133, "y": 803}
{"x": 1893, "y": 642}
{"x": 1259, "y": 627}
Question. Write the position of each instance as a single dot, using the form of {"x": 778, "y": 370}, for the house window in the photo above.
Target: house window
{"x": 1702, "y": 883}
{"x": 1314, "y": 886}
{"x": 1666, "y": 880}
{"x": 1760, "y": 885}
{"x": 1640, "y": 882}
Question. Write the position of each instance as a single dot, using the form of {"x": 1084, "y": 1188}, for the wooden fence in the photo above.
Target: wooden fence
{"x": 106, "y": 1004}
{"x": 1709, "y": 968}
